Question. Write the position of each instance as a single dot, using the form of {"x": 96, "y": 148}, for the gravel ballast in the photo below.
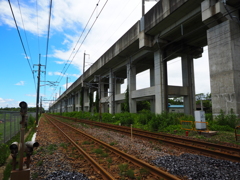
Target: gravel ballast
{"x": 59, "y": 175}
{"x": 182, "y": 164}
{"x": 199, "y": 167}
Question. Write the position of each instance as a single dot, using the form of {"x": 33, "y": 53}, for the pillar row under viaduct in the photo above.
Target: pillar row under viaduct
{"x": 171, "y": 29}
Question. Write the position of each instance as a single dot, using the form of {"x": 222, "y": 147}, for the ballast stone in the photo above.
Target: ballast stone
{"x": 199, "y": 167}
{"x": 60, "y": 175}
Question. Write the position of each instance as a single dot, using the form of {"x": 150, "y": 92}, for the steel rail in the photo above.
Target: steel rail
{"x": 153, "y": 169}
{"x": 200, "y": 146}
{"x": 96, "y": 166}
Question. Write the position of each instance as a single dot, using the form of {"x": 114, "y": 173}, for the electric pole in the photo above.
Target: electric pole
{"x": 38, "y": 87}
{"x": 143, "y": 7}
{"x": 66, "y": 83}
{"x": 82, "y": 91}
{"x": 60, "y": 91}
{"x": 41, "y": 106}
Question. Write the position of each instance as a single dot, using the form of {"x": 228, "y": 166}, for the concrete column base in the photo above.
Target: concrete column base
{"x": 224, "y": 64}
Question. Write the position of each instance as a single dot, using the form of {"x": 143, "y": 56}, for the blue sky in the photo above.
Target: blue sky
{"x": 68, "y": 20}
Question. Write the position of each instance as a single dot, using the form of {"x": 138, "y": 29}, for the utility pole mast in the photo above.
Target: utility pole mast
{"x": 143, "y": 7}
{"x": 100, "y": 90}
{"x": 41, "y": 106}
{"x": 66, "y": 83}
{"x": 38, "y": 87}
{"x": 82, "y": 91}
{"x": 60, "y": 91}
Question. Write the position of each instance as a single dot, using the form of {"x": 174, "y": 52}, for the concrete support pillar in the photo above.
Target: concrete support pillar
{"x": 160, "y": 79}
{"x": 61, "y": 106}
{"x": 74, "y": 103}
{"x": 85, "y": 100}
{"x": 224, "y": 64}
{"x": 152, "y": 105}
{"x": 131, "y": 82}
{"x": 78, "y": 101}
{"x": 104, "y": 93}
{"x": 188, "y": 81}
{"x": 152, "y": 78}
{"x": 66, "y": 104}
{"x": 103, "y": 90}
{"x": 117, "y": 88}
{"x": 111, "y": 92}
{"x": 118, "y": 108}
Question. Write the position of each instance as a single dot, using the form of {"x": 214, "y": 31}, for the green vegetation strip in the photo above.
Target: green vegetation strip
{"x": 5, "y": 152}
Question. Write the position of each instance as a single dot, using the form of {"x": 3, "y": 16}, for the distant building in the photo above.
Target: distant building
{"x": 176, "y": 108}
{"x": 180, "y": 108}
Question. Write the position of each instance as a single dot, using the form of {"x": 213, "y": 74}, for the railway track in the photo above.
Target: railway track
{"x": 99, "y": 154}
{"x": 200, "y": 147}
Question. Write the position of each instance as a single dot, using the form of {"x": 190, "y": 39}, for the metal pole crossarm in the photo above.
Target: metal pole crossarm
{"x": 38, "y": 65}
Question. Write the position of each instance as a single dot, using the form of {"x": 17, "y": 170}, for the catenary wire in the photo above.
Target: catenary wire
{"x": 39, "y": 50}
{"x": 25, "y": 32}
{"x": 79, "y": 38}
{"x": 22, "y": 41}
{"x": 118, "y": 26}
{"x": 49, "y": 23}
{"x": 82, "y": 41}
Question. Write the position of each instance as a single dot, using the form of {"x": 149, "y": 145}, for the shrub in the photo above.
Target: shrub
{"x": 4, "y": 149}
{"x": 126, "y": 119}
{"x": 144, "y": 117}
{"x": 230, "y": 120}
{"x": 31, "y": 121}
{"x": 172, "y": 128}
{"x": 216, "y": 127}
{"x": 107, "y": 117}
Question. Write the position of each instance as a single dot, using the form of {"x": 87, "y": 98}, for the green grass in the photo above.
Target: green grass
{"x": 64, "y": 145}
{"x": 7, "y": 171}
{"x": 86, "y": 142}
{"x": 112, "y": 143}
{"x": 130, "y": 173}
{"x": 98, "y": 151}
{"x": 51, "y": 148}
{"x": 34, "y": 175}
{"x": 104, "y": 154}
{"x": 40, "y": 163}
{"x": 123, "y": 167}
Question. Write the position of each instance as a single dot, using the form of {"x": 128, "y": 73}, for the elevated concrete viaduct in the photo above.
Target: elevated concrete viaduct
{"x": 172, "y": 28}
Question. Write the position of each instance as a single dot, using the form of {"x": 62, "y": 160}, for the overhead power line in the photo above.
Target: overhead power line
{"x": 79, "y": 38}
{"x": 24, "y": 31}
{"x": 82, "y": 41}
{"x": 21, "y": 41}
{"x": 49, "y": 22}
{"x": 39, "y": 50}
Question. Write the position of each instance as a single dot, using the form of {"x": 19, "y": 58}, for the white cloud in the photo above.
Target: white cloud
{"x": 31, "y": 95}
{"x": 64, "y": 75}
{"x": 67, "y": 85}
{"x": 8, "y": 103}
{"x": 2, "y": 100}
{"x": 21, "y": 83}
{"x": 59, "y": 62}
{"x": 59, "y": 74}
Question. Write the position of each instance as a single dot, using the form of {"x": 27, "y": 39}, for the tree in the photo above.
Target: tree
{"x": 143, "y": 105}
